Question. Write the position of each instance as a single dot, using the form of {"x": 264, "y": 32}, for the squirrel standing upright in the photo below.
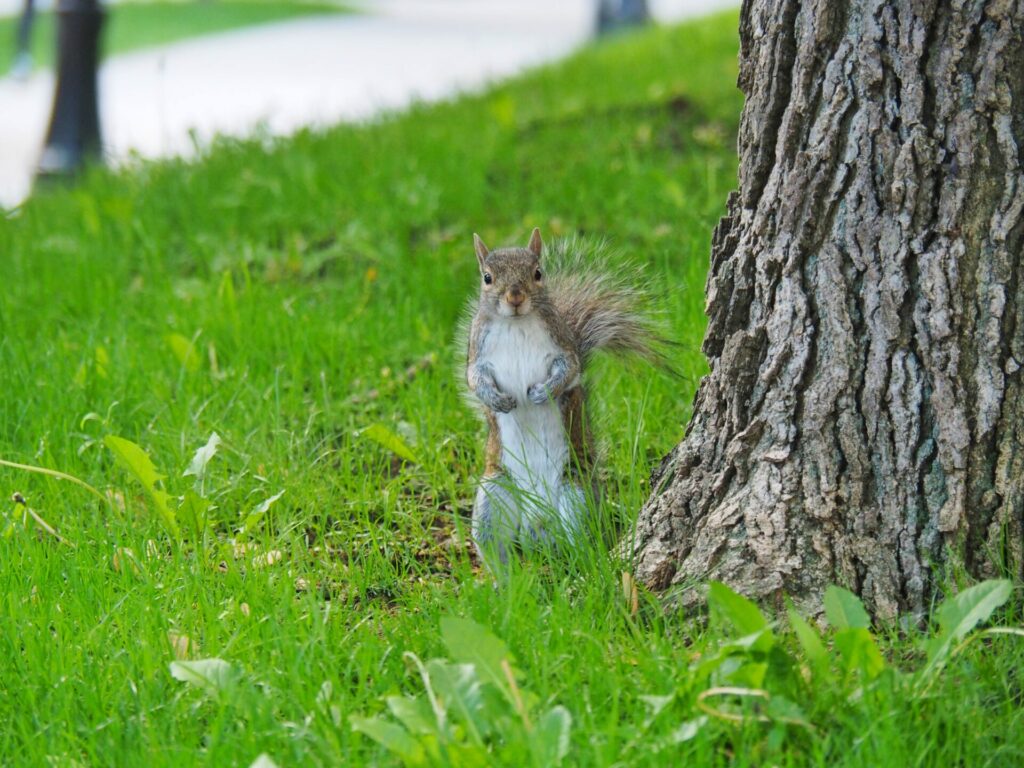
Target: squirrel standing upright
{"x": 534, "y": 328}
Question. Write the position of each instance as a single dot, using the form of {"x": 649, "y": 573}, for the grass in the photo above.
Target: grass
{"x": 298, "y": 298}
{"x": 133, "y": 25}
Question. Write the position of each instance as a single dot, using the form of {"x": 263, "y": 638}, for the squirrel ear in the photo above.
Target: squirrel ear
{"x": 481, "y": 250}
{"x": 535, "y": 242}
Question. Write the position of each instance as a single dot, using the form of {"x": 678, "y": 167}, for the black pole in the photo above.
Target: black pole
{"x": 73, "y": 137}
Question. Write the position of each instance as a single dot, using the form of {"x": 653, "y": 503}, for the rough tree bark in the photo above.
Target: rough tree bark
{"x": 862, "y": 422}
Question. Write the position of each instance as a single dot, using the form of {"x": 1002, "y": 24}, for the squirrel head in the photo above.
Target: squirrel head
{"x": 511, "y": 279}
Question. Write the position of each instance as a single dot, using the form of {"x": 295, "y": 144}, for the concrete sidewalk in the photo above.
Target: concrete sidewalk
{"x": 311, "y": 71}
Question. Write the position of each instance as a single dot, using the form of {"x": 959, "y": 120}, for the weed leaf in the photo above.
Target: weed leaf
{"x": 184, "y": 350}
{"x": 192, "y": 512}
{"x": 414, "y": 714}
{"x": 742, "y": 613}
{"x": 858, "y": 651}
{"x": 459, "y": 687}
{"x": 391, "y": 441}
{"x": 809, "y": 640}
{"x": 134, "y": 459}
{"x": 749, "y": 675}
{"x": 845, "y": 610}
{"x": 688, "y": 730}
{"x": 469, "y": 643}
{"x": 786, "y": 711}
{"x": 197, "y": 467}
{"x": 211, "y": 675}
{"x": 262, "y": 508}
{"x": 960, "y": 614}
{"x": 550, "y": 742}
{"x": 390, "y": 736}
{"x": 140, "y": 466}
{"x": 254, "y": 517}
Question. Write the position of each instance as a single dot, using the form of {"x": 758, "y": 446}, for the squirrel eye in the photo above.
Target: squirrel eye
{"x": 487, "y": 278}
{"x": 537, "y": 275}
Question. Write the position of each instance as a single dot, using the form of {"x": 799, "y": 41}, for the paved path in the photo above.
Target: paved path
{"x": 310, "y": 71}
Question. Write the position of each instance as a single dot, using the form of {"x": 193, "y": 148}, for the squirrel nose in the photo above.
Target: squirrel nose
{"x": 515, "y": 297}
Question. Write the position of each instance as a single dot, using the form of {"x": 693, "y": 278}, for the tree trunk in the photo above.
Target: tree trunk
{"x": 862, "y": 423}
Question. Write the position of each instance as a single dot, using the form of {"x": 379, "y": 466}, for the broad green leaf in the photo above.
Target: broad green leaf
{"x": 458, "y": 686}
{"x": 960, "y": 614}
{"x": 549, "y": 741}
{"x": 809, "y": 639}
{"x": 436, "y": 705}
{"x": 688, "y": 730}
{"x": 266, "y": 504}
{"x": 392, "y": 737}
{"x": 731, "y": 655}
{"x": 184, "y": 350}
{"x": 742, "y": 613}
{"x": 258, "y": 512}
{"x": 469, "y": 643}
{"x": 134, "y": 459}
{"x": 413, "y": 713}
{"x": 845, "y": 610}
{"x": 857, "y": 651}
{"x": 718, "y": 667}
{"x": 140, "y": 466}
{"x": 460, "y": 755}
{"x": 390, "y": 440}
{"x": 197, "y": 467}
{"x": 758, "y": 642}
{"x": 750, "y": 675}
{"x": 192, "y": 513}
{"x": 211, "y": 675}
{"x": 786, "y": 711}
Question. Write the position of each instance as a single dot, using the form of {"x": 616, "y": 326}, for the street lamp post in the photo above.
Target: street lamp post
{"x": 73, "y": 137}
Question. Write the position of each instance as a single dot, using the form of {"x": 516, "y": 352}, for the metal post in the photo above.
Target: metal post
{"x": 73, "y": 137}
{"x": 613, "y": 15}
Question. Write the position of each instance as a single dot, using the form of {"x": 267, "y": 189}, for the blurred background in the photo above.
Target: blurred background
{"x": 82, "y": 80}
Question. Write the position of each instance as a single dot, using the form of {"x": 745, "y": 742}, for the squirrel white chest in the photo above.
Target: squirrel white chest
{"x": 534, "y": 447}
{"x": 520, "y": 350}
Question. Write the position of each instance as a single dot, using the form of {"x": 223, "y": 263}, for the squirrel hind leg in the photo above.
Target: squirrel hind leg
{"x": 561, "y": 524}
{"x": 572, "y": 511}
{"x": 495, "y": 522}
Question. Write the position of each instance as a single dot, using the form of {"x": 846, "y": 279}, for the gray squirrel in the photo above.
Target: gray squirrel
{"x": 534, "y": 327}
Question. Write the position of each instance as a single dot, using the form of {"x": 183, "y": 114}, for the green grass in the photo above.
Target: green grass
{"x": 288, "y": 298}
{"x": 134, "y": 25}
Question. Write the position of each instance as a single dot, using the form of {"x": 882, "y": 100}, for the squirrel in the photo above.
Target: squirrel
{"x": 532, "y": 333}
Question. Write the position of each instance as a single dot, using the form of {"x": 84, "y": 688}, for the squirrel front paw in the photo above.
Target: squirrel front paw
{"x": 538, "y": 394}
{"x": 504, "y": 403}
{"x": 499, "y": 401}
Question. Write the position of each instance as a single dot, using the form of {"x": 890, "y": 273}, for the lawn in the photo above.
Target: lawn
{"x": 299, "y": 299}
{"x": 133, "y": 25}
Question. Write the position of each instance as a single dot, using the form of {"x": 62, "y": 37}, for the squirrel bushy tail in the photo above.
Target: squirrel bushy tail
{"x": 602, "y": 303}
